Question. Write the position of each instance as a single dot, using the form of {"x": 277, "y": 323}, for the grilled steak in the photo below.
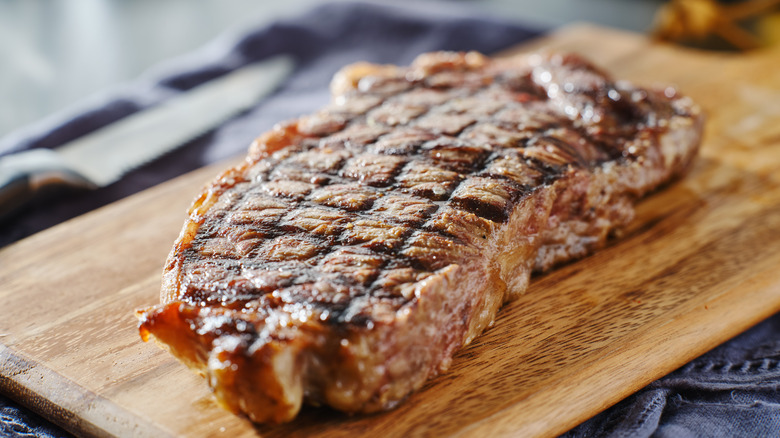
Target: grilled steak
{"x": 356, "y": 249}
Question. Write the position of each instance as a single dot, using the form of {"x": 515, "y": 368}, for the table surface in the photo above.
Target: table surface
{"x": 56, "y": 54}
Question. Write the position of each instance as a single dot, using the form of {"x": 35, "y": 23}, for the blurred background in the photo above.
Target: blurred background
{"x": 55, "y": 53}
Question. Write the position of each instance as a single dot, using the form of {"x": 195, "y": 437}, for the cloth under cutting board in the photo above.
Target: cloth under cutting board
{"x": 731, "y": 391}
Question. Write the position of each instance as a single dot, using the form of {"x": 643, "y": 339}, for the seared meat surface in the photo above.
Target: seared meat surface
{"x": 356, "y": 249}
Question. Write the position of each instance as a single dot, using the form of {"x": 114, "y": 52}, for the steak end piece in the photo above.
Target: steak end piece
{"x": 356, "y": 249}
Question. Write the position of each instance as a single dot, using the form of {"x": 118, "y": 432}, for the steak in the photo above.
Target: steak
{"x": 356, "y": 249}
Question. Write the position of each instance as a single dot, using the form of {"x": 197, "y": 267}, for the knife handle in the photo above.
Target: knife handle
{"x": 27, "y": 176}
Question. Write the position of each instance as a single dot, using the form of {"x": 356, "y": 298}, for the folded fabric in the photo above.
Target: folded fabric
{"x": 717, "y": 394}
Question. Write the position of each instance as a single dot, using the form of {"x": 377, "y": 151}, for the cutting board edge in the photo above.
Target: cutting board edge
{"x": 65, "y": 403}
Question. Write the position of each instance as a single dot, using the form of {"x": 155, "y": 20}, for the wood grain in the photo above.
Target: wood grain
{"x": 698, "y": 266}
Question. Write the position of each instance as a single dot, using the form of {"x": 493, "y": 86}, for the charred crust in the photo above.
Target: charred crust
{"x": 329, "y": 172}
{"x": 337, "y": 222}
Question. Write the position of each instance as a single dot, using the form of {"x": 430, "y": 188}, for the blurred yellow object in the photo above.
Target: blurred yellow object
{"x": 686, "y": 18}
{"x": 698, "y": 20}
{"x": 768, "y": 28}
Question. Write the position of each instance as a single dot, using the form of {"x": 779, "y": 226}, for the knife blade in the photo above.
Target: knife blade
{"x": 103, "y": 156}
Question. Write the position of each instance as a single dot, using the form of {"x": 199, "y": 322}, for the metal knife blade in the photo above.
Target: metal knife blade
{"x": 102, "y": 157}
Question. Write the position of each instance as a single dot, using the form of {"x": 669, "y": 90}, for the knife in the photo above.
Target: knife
{"x": 103, "y": 156}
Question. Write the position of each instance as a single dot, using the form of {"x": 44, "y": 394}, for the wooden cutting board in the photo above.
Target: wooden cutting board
{"x": 700, "y": 264}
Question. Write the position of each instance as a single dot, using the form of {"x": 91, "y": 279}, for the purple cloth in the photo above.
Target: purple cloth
{"x": 732, "y": 391}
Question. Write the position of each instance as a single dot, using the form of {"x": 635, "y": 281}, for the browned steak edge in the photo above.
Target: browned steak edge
{"x": 365, "y": 369}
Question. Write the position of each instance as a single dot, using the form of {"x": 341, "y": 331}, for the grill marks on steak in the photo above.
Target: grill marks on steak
{"x": 358, "y": 247}
{"x": 336, "y": 186}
